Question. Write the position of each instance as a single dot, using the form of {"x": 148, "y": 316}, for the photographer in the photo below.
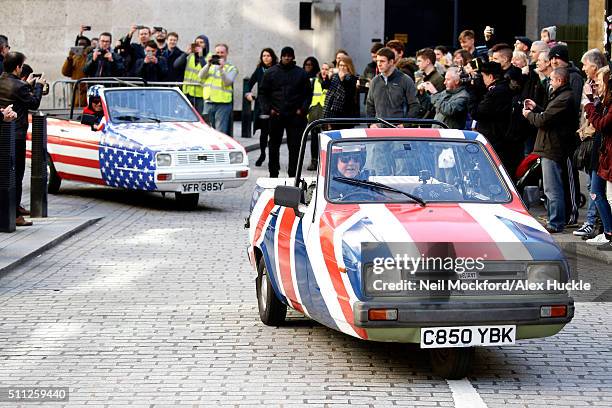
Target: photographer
{"x": 153, "y": 67}
{"x": 102, "y": 62}
{"x": 135, "y": 51}
{"x": 22, "y": 96}
{"x": 426, "y": 59}
{"x": 74, "y": 64}
{"x": 451, "y": 105}
{"x": 218, "y": 76}
{"x": 191, "y": 63}
{"x": 557, "y": 124}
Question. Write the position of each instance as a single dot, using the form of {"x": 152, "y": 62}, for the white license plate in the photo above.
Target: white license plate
{"x": 203, "y": 187}
{"x": 467, "y": 336}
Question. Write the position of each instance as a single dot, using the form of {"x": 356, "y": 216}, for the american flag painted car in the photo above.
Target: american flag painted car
{"x": 341, "y": 247}
{"x": 150, "y": 139}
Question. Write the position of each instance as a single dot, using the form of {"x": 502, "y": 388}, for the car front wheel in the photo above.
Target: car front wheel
{"x": 452, "y": 363}
{"x": 272, "y": 311}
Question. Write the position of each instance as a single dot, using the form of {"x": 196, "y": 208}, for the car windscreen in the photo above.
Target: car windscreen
{"x": 147, "y": 106}
{"x": 439, "y": 170}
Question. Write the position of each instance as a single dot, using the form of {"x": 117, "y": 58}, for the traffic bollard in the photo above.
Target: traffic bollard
{"x": 246, "y": 111}
{"x": 38, "y": 183}
{"x": 8, "y": 208}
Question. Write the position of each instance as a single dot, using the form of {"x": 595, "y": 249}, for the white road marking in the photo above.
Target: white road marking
{"x": 465, "y": 395}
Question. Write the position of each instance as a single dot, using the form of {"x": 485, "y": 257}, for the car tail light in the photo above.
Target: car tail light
{"x": 553, "y": 311}
{"x": 242, "y": 173}
{"x": 382, "y": 314}
{"x": 164, "y": 176}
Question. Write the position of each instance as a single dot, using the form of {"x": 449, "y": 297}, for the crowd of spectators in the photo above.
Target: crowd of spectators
{"x": 526, "y": 98}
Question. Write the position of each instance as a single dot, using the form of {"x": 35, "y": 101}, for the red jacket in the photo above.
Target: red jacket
{"x": 602, "y": 121}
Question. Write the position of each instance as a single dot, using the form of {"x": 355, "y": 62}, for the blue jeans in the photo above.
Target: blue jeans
{"x": 598, "y": 196}
{"x": 219, "y": 115}
{"x": 553, "y": 189}
{"x": 591, "y": 214}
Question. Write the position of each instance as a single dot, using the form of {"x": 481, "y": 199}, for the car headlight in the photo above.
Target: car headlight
{"x": 164, "y": 159}
{"x": 541, "y": 273}
{"x": 236, "y": 157}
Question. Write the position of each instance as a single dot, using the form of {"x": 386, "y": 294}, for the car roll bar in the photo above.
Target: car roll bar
{"x": 129, "y": 81}
{"x": 389, "y": 122}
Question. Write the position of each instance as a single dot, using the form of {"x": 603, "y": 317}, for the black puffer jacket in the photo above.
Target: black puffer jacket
{"x": 492, "y": 113}
{"x": 20, "y": 94}
{"x": 285, "y": 88}
{"x": 557, "y": 125}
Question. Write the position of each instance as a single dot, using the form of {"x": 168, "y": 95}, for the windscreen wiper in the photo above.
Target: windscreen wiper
{"x": 133, "y": 118}
{"x": 380, "y": 186}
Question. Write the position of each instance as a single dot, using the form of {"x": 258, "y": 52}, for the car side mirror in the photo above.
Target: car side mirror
{"x": 288, "y": 196}
{"x": 88, "y": 119}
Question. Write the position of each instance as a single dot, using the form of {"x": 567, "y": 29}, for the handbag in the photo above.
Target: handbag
{"x": 582, "y": 155}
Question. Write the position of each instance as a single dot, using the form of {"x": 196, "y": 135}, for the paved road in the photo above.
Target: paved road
{"x": 153, "y": 306}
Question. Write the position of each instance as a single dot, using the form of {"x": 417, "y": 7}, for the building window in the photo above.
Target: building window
{"x": 305, "y": 15}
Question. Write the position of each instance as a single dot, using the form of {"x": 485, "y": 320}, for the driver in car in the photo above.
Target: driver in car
{"x": 347, "y": 161}
{"x": 94, "y": 106}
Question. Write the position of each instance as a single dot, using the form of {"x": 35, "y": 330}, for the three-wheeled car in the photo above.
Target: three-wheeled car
{"x": 143, "y": 138}
{"x": 407, "y": 234}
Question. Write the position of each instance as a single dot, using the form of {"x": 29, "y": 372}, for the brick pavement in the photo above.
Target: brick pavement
{"x": 156, "y": 307}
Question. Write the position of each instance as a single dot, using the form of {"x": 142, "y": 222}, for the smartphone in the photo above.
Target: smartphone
{"x": 86, "y": 28}
{"x": 140, "y": 27}
{"x": 36, "y": 75}
{"x": 525, "y": 104}
{"x": 77, "y": 50}
{"x": 158, "y": 28}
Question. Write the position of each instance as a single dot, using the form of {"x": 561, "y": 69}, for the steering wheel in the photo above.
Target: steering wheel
{"x": 361, "y": 196}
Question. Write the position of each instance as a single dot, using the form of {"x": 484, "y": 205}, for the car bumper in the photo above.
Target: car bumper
{"x": 464, "y": 312}
{"x": 180, "y": 179}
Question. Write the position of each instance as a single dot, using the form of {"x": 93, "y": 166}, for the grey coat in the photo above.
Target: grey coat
{"x": 394, "y": 99}
{"x": 451, "y": 107}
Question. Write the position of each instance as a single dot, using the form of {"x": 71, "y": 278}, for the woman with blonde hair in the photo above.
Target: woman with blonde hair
{"x": 342, "y": 100}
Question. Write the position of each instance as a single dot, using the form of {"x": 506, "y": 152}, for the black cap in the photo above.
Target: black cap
{"x": 559, "y": 51}
{"x": 288, "y": 51}
{"x": 491, "y": 67}
{"x": 524, "y": 40}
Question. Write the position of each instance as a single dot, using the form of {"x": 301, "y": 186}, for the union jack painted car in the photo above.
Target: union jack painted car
{"x": 150, "y": 139}
{"x": 331, "y": 246}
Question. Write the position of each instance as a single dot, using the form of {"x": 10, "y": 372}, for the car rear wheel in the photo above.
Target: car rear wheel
{"x": 452, "y": 363}
{"x": 187, "y": 201}
{"x": 272, "y": 311}
{"x": 55, "y": 180}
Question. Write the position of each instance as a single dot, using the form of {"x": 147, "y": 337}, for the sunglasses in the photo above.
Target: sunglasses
{"x": 345, "y": 158}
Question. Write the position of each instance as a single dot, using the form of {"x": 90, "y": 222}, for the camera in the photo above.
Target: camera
{"x": 214, "y": 60}
{"x": 467, "y": 79}
{"x": 86, "y": 28}
{"x": 476, "y": 63}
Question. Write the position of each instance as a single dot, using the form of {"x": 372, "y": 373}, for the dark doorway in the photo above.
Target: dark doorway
{"x": 431, "y": 23}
